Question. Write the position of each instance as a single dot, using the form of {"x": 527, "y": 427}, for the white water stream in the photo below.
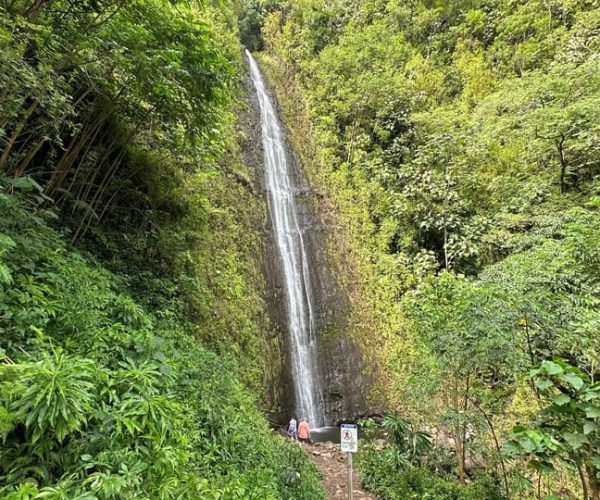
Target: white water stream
{"x": 281, "y": 197}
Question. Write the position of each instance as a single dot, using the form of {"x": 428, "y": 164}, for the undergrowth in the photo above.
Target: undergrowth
{"x": 101, "y": 397}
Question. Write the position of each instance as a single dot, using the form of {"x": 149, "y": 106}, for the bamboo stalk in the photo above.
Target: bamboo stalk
{"x": 16, "y": 132}
{"x": 28, "y": 157}
{"x": 87, "y": 218}
{"x": 91, "y": 143}
{"x": 64, "y": 164}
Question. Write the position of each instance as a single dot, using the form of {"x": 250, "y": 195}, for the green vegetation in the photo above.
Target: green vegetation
{"x": 100, "y": 398}
{"x": 381, "y": 478}
{"x": 133, "y": 337}
{"x": 455, "y": 146}
{"x": 566, "y": 429}
{"x": 409, "y": 466}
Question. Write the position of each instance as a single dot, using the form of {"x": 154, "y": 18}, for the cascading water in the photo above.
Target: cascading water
{"x": 281, "y": 198}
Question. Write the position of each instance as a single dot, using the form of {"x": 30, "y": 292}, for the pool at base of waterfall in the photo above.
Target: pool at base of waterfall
{"x": 325, "y": 434}
{"x": 332, "y": 434}
{"x": 328, "y": 434}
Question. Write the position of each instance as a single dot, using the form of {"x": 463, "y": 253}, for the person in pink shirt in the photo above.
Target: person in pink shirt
{"x": 303, "y": 431}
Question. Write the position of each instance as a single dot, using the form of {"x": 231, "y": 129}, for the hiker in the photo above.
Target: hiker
{"x": 293, "y": 429}
{"x": 304, "y": 432}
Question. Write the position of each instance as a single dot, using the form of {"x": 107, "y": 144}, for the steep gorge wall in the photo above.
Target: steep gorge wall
{"x": 278, "y": 397}
{"x": 341, "y": 373}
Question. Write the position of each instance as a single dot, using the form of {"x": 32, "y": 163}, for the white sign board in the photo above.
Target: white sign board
{"x": 349, "y": 438}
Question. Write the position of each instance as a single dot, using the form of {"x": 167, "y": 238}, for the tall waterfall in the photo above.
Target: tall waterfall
{"x": 281, "y": 197}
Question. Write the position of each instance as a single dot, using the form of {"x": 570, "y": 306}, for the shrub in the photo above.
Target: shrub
{"x": 381, "y": 476}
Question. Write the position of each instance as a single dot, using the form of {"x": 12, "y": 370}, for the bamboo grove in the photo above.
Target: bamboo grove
{"x": 87, "y": 87}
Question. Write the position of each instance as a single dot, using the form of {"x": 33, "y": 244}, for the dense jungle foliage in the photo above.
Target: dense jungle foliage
{"x": 133, "y": 358}
{"x": 455, "y": 148}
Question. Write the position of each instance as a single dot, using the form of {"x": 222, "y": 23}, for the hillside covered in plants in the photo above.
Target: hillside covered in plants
{"x": 132, "y": 326}
{"x": 455, "y": 149}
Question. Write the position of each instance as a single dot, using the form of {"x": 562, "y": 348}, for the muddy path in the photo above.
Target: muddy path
{"x": 333, "y": 463}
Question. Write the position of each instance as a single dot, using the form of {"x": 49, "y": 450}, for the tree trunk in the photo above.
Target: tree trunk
{"x": 463, "y": 429}
{"x": 110, "y": 149}
{"x": 563, "y": 163}
{"x": 459, "y": 436}
{"x": 71, "y": 154}
{"x": 446, "y": 196}
{"x": 531, "y": 358}
{"x": 496, "y": 444}
{"x": 106, "y": 156}
{"x": 35, "y": 10}
{"x": 460, "y": 451}
{"x": 86, "y": 181}
{"x": 594, "y": 487}
{"x": 584, "y": 487}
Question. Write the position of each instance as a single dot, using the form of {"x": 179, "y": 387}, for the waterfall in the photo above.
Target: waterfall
{"x": 282, "y": 191}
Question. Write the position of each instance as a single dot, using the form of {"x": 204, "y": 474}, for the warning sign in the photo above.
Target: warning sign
{"x": 349, "y": 438}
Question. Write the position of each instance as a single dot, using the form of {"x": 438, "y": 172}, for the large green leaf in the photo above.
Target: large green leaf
{"x": 551, "y": 368}
{"x": 25, "y": 184}
{"x": 5, "y": 276}
{"x": 573, "y": 380}
{"x": 575, "y": 440}
{"x": 528, "y": 444}
{"x": 592, "y": 412}
{"x": 512, "y": 448}
{"x": 561, "y": 399}
{"x": 544, "y": 384}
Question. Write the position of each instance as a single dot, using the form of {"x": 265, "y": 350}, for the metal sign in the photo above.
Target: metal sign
{"x": 349, "y": 438}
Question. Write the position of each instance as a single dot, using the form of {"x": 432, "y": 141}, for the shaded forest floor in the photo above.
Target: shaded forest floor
{"x": 333, "y": 464}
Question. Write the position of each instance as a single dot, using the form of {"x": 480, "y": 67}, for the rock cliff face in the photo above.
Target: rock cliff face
{"x": 340, "y": 362}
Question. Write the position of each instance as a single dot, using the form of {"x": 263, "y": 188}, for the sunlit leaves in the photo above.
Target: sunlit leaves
{"x": 567, "y": 426}
{"x": 462, "y": 137}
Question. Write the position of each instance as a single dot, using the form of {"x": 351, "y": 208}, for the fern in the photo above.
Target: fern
{"x": 5, "y": 277}
{"x": 7, "y": 421}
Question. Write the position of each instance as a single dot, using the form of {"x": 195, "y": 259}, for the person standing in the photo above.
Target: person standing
{"x": 304, "y": 431}
{"x": 293, "y": 429}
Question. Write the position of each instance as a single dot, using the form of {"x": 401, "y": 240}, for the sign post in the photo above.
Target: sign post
{"x": 349, "y": 445}
{"x": 350, "y": 476}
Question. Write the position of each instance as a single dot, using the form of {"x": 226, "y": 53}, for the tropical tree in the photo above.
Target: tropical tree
{"x": 567, "y": 427}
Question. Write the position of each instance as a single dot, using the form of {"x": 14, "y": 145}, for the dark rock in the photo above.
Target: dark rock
{"x": 343, "y": 384}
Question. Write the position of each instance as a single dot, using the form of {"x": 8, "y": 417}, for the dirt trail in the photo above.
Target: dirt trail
{"x": 333, "y": 463}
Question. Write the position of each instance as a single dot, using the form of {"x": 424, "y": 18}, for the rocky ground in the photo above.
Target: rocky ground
{"x": 333, "y": 463}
